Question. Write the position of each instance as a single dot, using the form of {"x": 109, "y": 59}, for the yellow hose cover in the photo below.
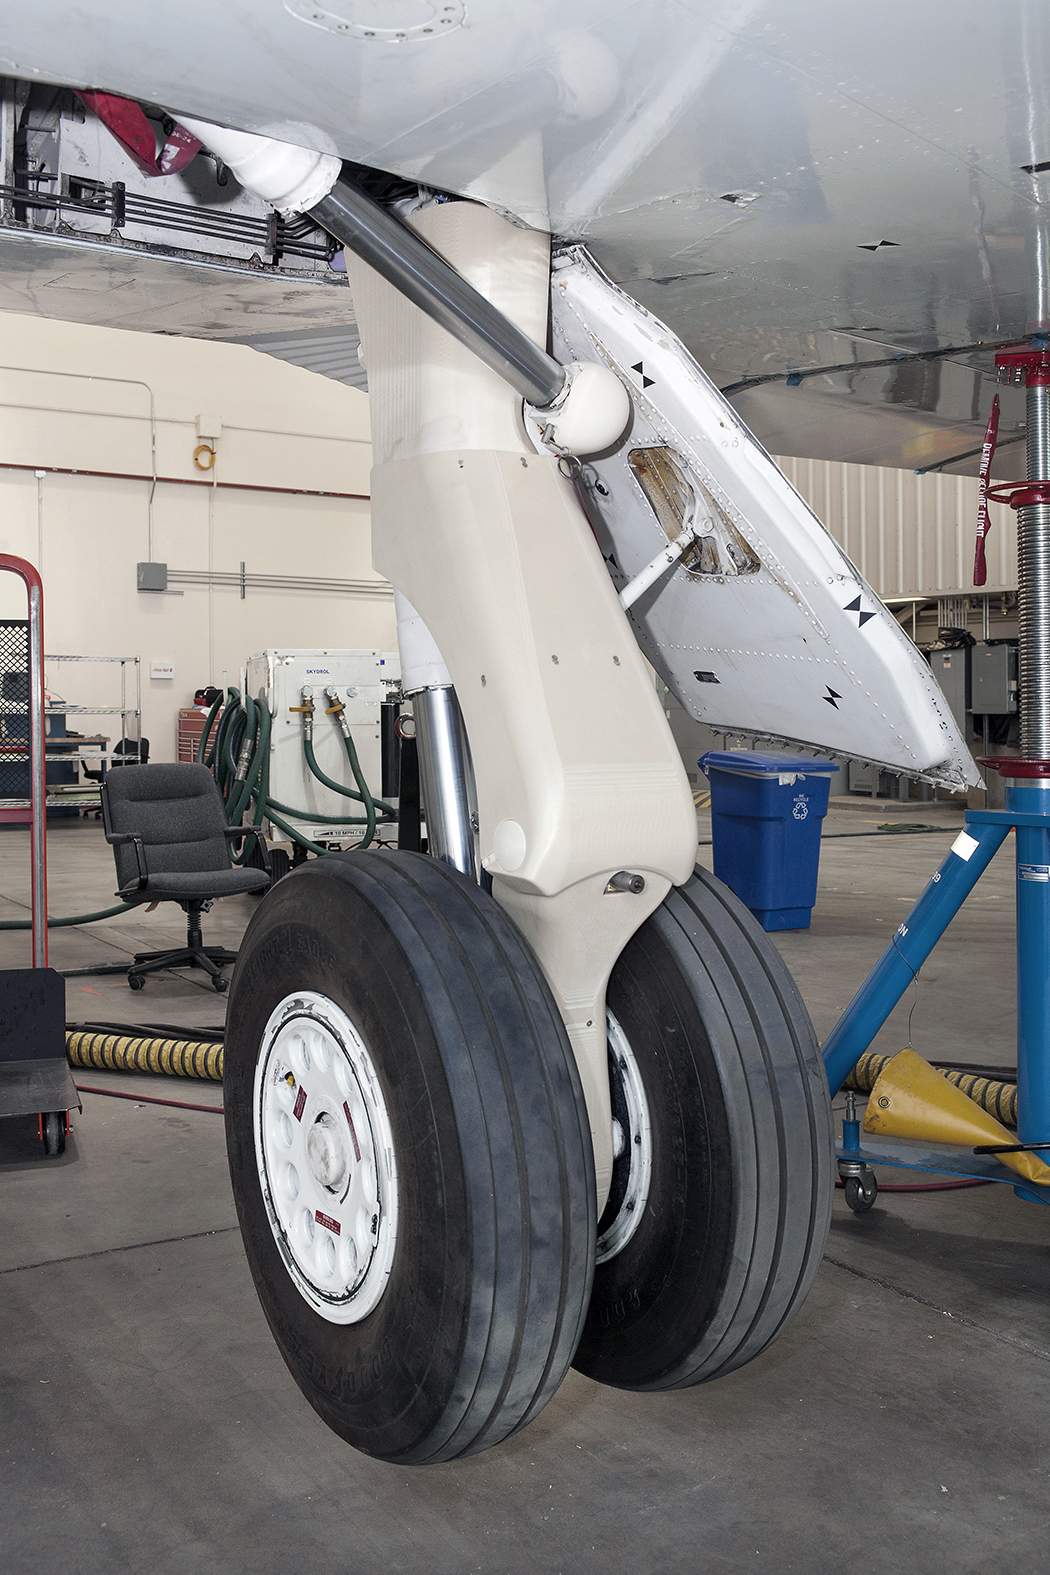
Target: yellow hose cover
{"x": 128, "y": 1053}
{"x": 911, "y": 1099}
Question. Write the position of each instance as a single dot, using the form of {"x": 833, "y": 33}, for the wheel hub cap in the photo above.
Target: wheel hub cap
{"x": 632, "y": 1142}
{"x": 325, "y": 1154}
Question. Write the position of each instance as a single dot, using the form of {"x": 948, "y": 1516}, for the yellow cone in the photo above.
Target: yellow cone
{"x": 912, "y": 1100}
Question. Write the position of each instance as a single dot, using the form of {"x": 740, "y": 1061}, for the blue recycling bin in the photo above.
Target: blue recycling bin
{"x": 766, "y": 812}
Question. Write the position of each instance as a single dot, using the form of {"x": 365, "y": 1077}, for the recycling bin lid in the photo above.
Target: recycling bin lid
{"x": 749, "y": 763}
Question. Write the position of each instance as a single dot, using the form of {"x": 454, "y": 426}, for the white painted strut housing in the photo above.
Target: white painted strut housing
{"x": 577, "y": 773}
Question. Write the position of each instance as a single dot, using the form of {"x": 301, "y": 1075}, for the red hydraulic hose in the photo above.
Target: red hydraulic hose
{"x": 148, "y": 1099}
{"x": 931, "y": 1186}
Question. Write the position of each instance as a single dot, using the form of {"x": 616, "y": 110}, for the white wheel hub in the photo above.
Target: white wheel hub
{"x": 325, "y": 1153}
{"x": 632, "y": 1147}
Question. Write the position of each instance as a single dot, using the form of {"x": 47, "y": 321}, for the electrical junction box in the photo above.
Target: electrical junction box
{"x": 952, "y": 671}
{"x": 863, "y": 777}
{"x": 362, "y": 680}
{"x": 993, "y": 679}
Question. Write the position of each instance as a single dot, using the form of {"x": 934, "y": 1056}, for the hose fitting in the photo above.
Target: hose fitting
{"x": 306, "y": 711}
{"x": 337, "y": 709}
{"x": 244, "y": 757}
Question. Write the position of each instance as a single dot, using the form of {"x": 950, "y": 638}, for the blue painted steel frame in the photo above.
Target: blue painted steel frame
{"x": 1027, "y": 810}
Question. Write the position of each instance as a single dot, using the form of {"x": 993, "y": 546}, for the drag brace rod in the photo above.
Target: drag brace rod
{"x": 584, "y": 407}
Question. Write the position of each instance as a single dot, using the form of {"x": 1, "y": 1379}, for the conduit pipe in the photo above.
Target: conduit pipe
{"x": 100, "y": 377}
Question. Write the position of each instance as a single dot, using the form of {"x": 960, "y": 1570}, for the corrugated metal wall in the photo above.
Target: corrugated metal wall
{"x": 908, "y": 535}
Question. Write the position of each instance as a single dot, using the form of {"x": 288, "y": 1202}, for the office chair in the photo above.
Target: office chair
{"x": 167, "y": 828}
{"x": 128, "y": 752}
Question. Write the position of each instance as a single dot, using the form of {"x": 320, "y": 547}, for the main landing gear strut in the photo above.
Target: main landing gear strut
{"x": 545, "y": 1095}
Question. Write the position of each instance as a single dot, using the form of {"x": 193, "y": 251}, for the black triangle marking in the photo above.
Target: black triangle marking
{"x": 862, "y": 617}
{"x": 832, "y": 697}
{"x": 639, "y": 367}
{"x": 647, "y": 382}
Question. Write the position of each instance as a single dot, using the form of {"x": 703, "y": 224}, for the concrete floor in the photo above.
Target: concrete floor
{"x": 147, "y": 1422}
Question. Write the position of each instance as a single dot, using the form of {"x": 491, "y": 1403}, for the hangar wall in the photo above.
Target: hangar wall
{"x": 909, "y": 535}
{"x": 282, "y": 428}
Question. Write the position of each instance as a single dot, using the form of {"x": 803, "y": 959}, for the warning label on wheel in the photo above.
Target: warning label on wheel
{"x": 300, "y": 1103}
{"x": 328, "y": 1222}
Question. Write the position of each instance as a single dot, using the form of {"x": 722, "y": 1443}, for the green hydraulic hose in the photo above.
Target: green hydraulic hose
{"x": 297, "y": 836}
{"x": 202, "y": 747}
{"x": 78, "y": 918}
{"x": 239, "y": 756}
{"x": 318, "y": 820}
{"x": 247, "y": 767}
{"x": 259, "y": 767}
{"x": 121, "y": 907}
{"x": 337, "y": 711}
{"x": 368, "y": 819}
{"x": 363, "y": 797}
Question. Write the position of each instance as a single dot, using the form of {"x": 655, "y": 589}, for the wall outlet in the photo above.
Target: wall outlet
{"x": 162, "y": 669}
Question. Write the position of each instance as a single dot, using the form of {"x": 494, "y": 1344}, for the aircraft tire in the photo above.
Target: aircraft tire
{"x": 389, "y": 987}
{"x": 721, "y": 1196}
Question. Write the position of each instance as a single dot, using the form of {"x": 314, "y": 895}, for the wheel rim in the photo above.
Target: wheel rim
{"x": 632, "y": 1147}
{"x": 325, "y": 1153}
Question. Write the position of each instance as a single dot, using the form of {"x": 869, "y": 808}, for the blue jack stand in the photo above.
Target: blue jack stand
{"x": 1027, "y": 786}
{"x": 1028, "y": 801}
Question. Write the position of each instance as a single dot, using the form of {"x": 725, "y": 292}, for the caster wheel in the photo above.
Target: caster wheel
{"x": 219, "y": 984}
{"x": 722, "y": 1177}
{"x": 860, "y": 1192}
{"x": 136, "y": 981}
{"x": 280, "y": 864}
{"x": 410, "y": 1155}
{"x": 54, "y": 1128}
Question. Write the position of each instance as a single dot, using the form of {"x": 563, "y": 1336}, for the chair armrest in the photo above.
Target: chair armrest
{"x": 256, "y": 832}
{"x": 120, "y": 839}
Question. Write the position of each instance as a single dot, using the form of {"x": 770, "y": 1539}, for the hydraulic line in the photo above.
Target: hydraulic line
{"x": 998, "y": 1099}
{"x": 923, "y": 1186}
{"x": 364, "y": 797}
{"x": 235, "y": 745}
{"x": 319, "y": 820}
{"x": 77, "y": 918}
{"x": 148, "y": 1099}
{"x": 239, "y": 755}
